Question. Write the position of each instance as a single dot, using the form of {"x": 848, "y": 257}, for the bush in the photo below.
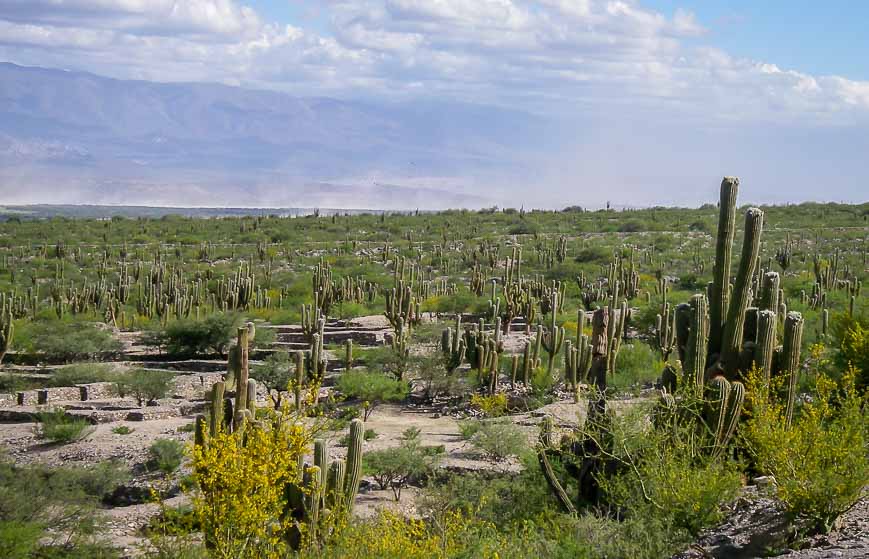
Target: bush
{"x": 819, "y": 463}
{"x": 593, "y": 254}
{"x": 275, "y": 373}
{"x": 58, "y": 427}
{"x": 198, "y": 337}
{"x": 71, "y": 341}
{"x": 122, "y": 430}
{"x": 494, "y": 405}
{"x": 855, "y": 349}
{"x": 395, "y": 467}
{"x": 51, "y": 512}
{"x": 144, "y": 385}
{"x": 372, "y": 388}
{"x": 165, "y": 455}
{"x": 499, "y": 440}
{"x": 82, "y": 373}
{"x": 636, "y": 364}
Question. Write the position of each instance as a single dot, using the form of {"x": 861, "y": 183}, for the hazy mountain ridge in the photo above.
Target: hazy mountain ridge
{"x": 87, "y": 131}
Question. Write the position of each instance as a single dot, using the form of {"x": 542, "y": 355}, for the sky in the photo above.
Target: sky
{"x": 661, "y": 95}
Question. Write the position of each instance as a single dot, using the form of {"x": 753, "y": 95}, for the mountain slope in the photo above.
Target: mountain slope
{"x": 86, "y": 131}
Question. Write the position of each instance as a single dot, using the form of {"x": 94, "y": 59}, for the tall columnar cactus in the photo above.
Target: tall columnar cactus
{"x": 348, "y": 354}
{"x": 216, "y": 410}
{"x": 300, "y": 379}
{"x": 725, "y": 408}
{"x": 694, "y": 365}
{"x": 719, "y": 292}
{"x": 453, "y": 347}
{"x": 790, "y": 362}
{"x": 354, "y": 462}
{"x": 764, "y": 349}
{"x": 732, "y": 342}
{"x": 553, "y": 340}
{"x": 243, "y": 372}
{"x": 769, "y": 292}
{"x": 7, "y": 329}
{"x": 665, "y": 332}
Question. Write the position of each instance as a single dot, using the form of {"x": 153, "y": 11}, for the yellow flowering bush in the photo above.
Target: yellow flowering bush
{"x": 820, "y": 463}
{"x": 241, "y": 478}
{"x": 494, "y": 405}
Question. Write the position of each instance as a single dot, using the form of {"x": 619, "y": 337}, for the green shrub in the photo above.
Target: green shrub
{"x": 275, "y": 373}
{"x": 144, "y": 385}
{"x": 122, "y": 430}
{"x": 71, "y": 341}
{"x": 82, "y": 373}
{"x": 395, "y": 467}
{"x": 499, "y": 440}
{"x": 188, "y": 337}
{"x": 58, "y": 427}
{"x": 636, "y": 364}
{"x": 819, "y": 463}
{"x": 165, "y": 455}
{"x": 372, "y": 388}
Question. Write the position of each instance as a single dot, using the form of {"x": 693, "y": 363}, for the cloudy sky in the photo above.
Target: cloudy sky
{"x": 665, "y": 96}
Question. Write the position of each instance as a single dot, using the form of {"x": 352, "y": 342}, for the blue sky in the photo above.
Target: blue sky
{"x": 788, "y": 78}
{"x": 817, "y": 37}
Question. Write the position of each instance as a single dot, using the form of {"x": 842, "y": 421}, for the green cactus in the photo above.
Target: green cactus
{"x": 763, "y": 350}
{"x": 719, "y": 292}
{"x": 354, "y": 462}
{"x": 7, "y": 330}
{"x": 731, "y": 344}
{"x": 790, "y": 362}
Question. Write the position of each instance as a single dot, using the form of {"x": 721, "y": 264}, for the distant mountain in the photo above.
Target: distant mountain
{"x": 72, "y": 137}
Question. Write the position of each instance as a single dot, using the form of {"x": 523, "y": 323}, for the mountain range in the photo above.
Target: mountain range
{"x": 76, "y": 138}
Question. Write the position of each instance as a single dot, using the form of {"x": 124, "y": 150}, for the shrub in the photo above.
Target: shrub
{"x": 71, "y": 341}
{"x": 82, "y": 373}
{"x": 122, "y": 430}
{"x": 494, "y": 405}
{"x": 241, "y": 478}
{"x": 165, "y": 455}
{"x": 189, "y": 337}
{"x": 58, "y": 427}
{"x": 275, "y": 373}
{"x": 593, "y": 254}
{"x": 395, "y": 467}
{"x": 855, "y": 350}
{"x": 499, "y": 440}
{"x": 819, "y": 463}
{"x": 372, "y": 388}
{"x": 51, "y": 512}
{"x": 144, "y": 385}
{"x": 636, "y": 364}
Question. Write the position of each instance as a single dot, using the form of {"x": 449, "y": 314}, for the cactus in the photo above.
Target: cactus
{"x": 724, "y": 410}
{"x": 665, "y": 329}
{"x": 694, "y": 365}
{"x": 763, "y": 350}
{"x": 790, "y": 362}
{"x": 733, "y": 329}
{"x": 453, "y": 347}
{"x": 216, "y": 411}
{"x": 7, "y": 330}
{"x": 354, "y": 462}
{"x": 243, "y": 371}
{"x": 718, "y": 297}
{"x": 552, "y": 338}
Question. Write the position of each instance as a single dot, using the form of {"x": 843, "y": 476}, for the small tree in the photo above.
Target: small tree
{"x": 275, "y": 374}
{"x": 372, "y": 388}
{"x": 396, "y": 467}
{"x": 145, "y": 386}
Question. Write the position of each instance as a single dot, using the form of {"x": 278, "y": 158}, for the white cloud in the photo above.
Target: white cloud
{"x": 557, "y": 56}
